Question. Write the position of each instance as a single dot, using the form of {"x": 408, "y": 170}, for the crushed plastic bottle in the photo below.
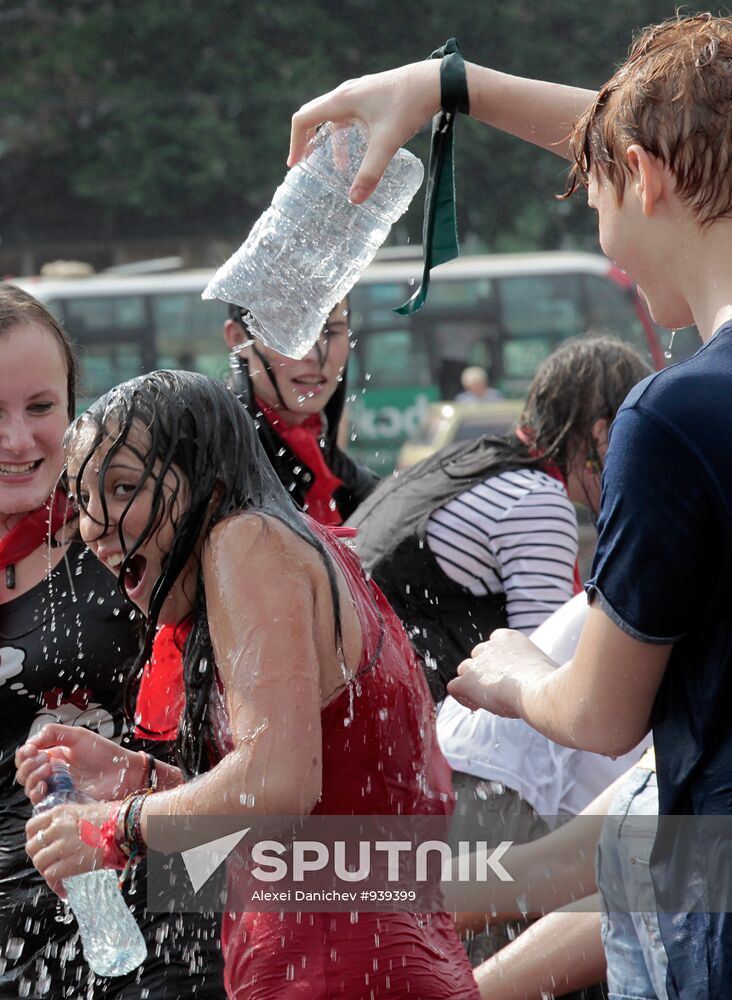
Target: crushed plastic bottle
{"x": 309, "y": 248}
{"x": 112, "y": 942}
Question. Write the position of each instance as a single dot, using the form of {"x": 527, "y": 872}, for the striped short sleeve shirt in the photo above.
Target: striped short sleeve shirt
{"x": 516, "y": 533}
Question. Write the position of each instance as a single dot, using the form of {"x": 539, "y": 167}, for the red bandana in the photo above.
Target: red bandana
{"x": 161, "y": 697}
{"x": 35, "y": 529}
{"x": 304, "y": 441}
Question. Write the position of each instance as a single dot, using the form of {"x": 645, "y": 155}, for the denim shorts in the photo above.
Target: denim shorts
{"x": 636, "y": 959}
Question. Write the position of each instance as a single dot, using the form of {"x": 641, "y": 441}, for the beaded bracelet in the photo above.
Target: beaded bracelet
{"x": 128, "y": 831}
{"x": 133, "y": 826}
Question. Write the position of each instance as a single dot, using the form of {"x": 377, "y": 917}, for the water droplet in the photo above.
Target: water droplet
{"x": 14, "y": 947}
{"x": 668, "y": 353}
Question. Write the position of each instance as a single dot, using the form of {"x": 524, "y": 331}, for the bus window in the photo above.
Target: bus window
{"x": 373, "y": 304}
{"x": 462, "y": 318}
{"x": 393, "y": 358}
{"x": 547, "y": 305}
{"x": 462, "y": 293}
{"x": 390, "y": 391}
{"x": 521, "y": 358}
{"x": 105, "y": 318}
{"x": 189, "y": 333}
{"x": 105, "y": 365}
{"x": 537, "y": 312}
{"x": 610, "y": 309}
{"x": 459, "y": 343}
{"x": 112, "y": 335}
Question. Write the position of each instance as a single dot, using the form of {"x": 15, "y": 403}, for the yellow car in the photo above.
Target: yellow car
{"x": 450, "y": 422}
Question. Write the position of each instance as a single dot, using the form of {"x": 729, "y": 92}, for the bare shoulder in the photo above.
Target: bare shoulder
{"x": 258, "y": 543}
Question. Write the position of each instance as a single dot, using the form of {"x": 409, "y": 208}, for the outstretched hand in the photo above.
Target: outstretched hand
{"x": 392, "y": 105}
{"x": 99, "y": 767}
{"x": 496, "y": 672}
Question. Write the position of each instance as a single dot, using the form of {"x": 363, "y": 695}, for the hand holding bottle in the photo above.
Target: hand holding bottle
{"x": 393, "y": 106}
{"x": 54, "y": 846}
{"x": 111, "y": 939}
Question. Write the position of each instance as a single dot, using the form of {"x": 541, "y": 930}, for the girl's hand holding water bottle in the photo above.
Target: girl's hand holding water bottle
{"x": 64, "y": 837}
{"x": 100, "y": 768}
{"x": 55, "y": 847}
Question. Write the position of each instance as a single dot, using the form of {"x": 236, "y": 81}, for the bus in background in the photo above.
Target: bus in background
{"x": 124, "y": 325}
{"x": 503, "y": 312}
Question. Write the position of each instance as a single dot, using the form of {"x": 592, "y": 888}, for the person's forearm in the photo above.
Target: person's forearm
{"x": 548, "y": 702}
{"x": 546, "y": 873}
{"x": 562, "y": 706}
{"x": 243, "y": 783}
{"x": 559, "y": 953}
{"x": 539, "y": 112}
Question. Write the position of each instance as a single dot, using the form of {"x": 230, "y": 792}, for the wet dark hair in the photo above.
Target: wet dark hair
{"x": 18, "y": 307}
{"x": 584, "y": 380}
{"x": 200, "y": 432}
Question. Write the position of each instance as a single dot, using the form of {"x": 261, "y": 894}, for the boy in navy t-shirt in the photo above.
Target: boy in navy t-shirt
{"x": 654, "y": 148}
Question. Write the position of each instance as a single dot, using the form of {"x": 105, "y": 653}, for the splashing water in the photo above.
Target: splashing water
{"x": 354, "y": 688}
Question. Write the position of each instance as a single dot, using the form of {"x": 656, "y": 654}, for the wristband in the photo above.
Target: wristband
{"x": 106, "y": 838}
{"x": 453, "y": 80}
{"x": 120, "y": 836}
{"x": 149, "y": 773}
{"x": 134, "y": 842}
{"x": 439, "y": 228}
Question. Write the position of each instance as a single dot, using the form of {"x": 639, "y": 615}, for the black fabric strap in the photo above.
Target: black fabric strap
{"x": 439, "y": 229}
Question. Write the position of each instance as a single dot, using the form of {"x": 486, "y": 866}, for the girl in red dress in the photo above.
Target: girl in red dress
{"x": 302, "y": 692}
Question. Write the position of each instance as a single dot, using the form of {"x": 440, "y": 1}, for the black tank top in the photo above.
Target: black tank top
{"x": 65, "y": 649}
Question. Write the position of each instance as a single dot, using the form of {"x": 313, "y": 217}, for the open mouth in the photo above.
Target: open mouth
{"x": 133, "y": 575}
{"x": 18, "y": 468}
{"x": 309, "y": 385}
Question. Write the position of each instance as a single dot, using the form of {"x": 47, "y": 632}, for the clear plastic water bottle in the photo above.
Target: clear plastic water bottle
{"x": 112, "y": 942}
{"x": 309, "y": 248}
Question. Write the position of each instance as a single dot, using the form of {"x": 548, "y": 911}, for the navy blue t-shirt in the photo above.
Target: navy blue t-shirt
{"x": 662, "y": 573}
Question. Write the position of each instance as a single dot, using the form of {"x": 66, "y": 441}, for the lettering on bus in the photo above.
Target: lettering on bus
{"x": 374, "y": 421}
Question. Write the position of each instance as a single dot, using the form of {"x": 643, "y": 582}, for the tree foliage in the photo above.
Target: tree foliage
{"x": 129, "y": 117}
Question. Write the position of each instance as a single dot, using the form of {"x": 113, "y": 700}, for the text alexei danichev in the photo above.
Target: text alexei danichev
{"x": 300, "y": 896}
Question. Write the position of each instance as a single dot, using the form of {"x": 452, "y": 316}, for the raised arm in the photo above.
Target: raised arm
{"x": 395, "y": 104}
{"x": 268, "y": 664}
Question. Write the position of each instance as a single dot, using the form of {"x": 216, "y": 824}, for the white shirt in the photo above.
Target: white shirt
{"x": 554, "y": 780}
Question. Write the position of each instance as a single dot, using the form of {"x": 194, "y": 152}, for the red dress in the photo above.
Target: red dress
{"x": 380, "y": 757}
